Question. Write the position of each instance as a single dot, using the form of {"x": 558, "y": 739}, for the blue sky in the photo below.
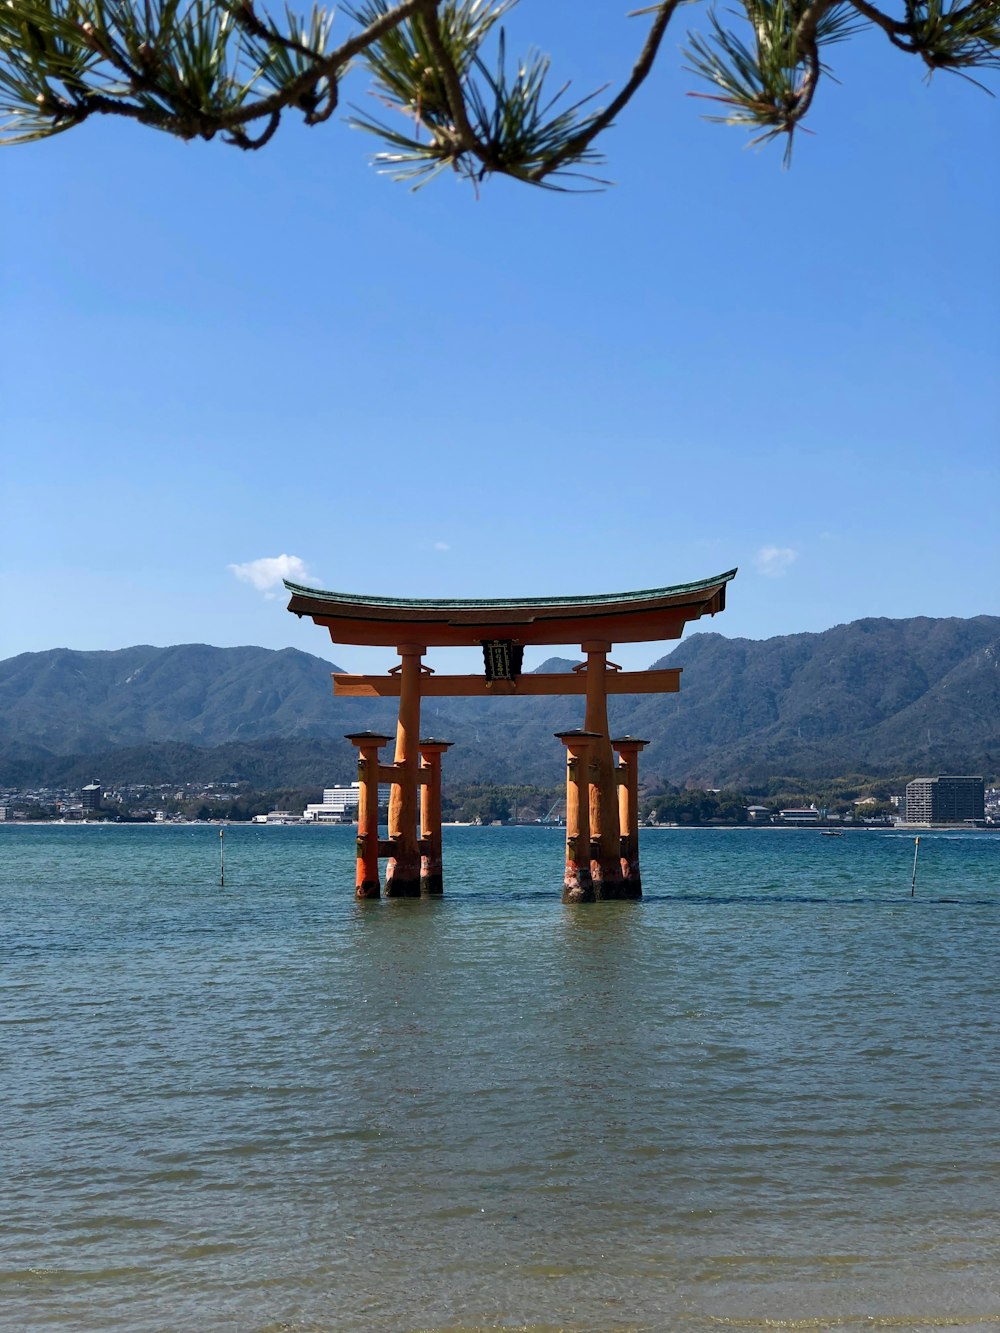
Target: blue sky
{"x": 212, "y": 359}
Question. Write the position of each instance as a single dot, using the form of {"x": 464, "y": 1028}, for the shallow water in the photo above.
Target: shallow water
{"x": 764, "y": 1097}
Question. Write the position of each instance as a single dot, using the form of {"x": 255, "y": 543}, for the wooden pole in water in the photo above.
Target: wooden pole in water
{"x": 913, "y": 881}
{"x": 222, "y": 858}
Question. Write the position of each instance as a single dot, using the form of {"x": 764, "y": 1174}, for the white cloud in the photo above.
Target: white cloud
{"x": 267, "y": 573}
{"x": 441, "y": 546}
{"x": 773, "y": 561}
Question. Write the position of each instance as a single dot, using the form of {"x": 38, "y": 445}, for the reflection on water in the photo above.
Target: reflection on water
{"x": 766, "y": 1096}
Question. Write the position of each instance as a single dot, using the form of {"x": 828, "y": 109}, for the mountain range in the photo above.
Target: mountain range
{"x": 875, "y": 696}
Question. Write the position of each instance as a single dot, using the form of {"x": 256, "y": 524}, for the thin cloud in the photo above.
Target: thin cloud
{"x": 441, "y": 546}
{"x": 774, "y": 561}
{"x": 267, "y": 573}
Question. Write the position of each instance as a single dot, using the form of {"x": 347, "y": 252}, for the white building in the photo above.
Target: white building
{"x": 800, "y": 815}
{"x": 340, "y": 803}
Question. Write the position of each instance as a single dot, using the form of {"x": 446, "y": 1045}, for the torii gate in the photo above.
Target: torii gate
{"x": 602, "y": 839}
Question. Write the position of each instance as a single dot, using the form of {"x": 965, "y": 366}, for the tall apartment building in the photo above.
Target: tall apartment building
{"x": 945, "y": 800}
{"x": 90, "y": 797}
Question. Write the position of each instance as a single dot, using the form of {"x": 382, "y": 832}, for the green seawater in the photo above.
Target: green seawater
{"x": 765, "y": 1097}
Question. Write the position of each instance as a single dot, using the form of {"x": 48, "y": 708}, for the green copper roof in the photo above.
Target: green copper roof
{"x": 485, "y": 603}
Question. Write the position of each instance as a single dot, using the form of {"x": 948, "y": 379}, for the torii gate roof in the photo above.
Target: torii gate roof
{"x": 647, "y": 615}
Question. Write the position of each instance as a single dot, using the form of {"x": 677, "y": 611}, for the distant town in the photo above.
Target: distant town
{"x": 944, "y": 801}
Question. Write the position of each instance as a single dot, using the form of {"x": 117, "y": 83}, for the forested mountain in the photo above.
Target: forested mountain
{"x": 70, "y": 701}
{"x": 873, "y": 696}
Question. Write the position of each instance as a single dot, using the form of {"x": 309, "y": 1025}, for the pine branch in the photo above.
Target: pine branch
{"x": 576, "y": 147}
{"x": 175, "y": 79}
{"x": 465, "y": 139}
{"x": 195, "y": 68}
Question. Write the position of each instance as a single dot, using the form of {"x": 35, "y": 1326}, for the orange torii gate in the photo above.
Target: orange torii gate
{"x": 602, "y": 840}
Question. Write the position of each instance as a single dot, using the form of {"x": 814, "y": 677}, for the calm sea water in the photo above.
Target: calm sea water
{"x": 767, "y": 1096}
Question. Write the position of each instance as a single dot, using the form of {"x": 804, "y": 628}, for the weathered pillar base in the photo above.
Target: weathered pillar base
{"x": 431, "y": 878}
{"x": 631, "y": 882}
{"x": 402, "y": 880}
{"x": 369, "y": 889}
{"x": 608, "y": 882}
{"x": 578, "y": 887}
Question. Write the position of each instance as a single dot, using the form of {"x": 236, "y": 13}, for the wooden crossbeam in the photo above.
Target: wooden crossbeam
{"x": 477, "y": 687}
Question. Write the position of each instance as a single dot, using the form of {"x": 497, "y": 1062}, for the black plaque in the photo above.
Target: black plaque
{"x": 502, "y": 659}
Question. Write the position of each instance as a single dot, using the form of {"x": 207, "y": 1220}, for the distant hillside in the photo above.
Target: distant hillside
{"x": 874, "y": 696}
{"x": 69, "y": 701}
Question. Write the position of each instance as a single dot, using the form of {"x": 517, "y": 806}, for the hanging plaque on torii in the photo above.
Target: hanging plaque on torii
{"x": 602, "y": 847}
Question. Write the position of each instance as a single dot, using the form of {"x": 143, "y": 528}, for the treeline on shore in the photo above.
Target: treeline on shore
{"x": 496, "y": 803}
{"x": 670, "y": 804}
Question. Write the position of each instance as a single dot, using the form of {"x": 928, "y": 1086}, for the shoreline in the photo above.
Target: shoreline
{"x": 912, "y": 830}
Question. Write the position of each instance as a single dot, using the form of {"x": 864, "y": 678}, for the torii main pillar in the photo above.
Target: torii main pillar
{"x": 606, "y": 865}
{"x": 402, "y": 876}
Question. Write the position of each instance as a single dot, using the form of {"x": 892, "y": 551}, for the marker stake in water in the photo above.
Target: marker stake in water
{"x": 222, "y": 857}
{"x": 913, "y": 881}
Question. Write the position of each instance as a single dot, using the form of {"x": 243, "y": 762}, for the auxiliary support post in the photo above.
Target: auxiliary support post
{"x": 431, "y": 872}
{"x": 368, "y": 743}
{"x": 578, "y": 884}
{"x": 628, "y": 748}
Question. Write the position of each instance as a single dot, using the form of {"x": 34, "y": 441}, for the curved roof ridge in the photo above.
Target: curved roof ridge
{"x": 485, "y": 603}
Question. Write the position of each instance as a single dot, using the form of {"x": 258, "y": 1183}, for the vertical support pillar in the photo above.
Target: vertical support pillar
{"x": 578, "y": 884}
{"x": 402, "y": 876}
{"x": 606, "y": 867}
{"x": 431, "y": 872}
{"x": 368, "y": 743}
{"x": 628, "y": 748}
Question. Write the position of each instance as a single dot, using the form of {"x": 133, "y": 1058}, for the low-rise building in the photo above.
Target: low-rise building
{"x": 800, "y": 815}
{"x": 340, "y": 804}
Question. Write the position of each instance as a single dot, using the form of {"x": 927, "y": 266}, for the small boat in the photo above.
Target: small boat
{"x": 831, "y": 833}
